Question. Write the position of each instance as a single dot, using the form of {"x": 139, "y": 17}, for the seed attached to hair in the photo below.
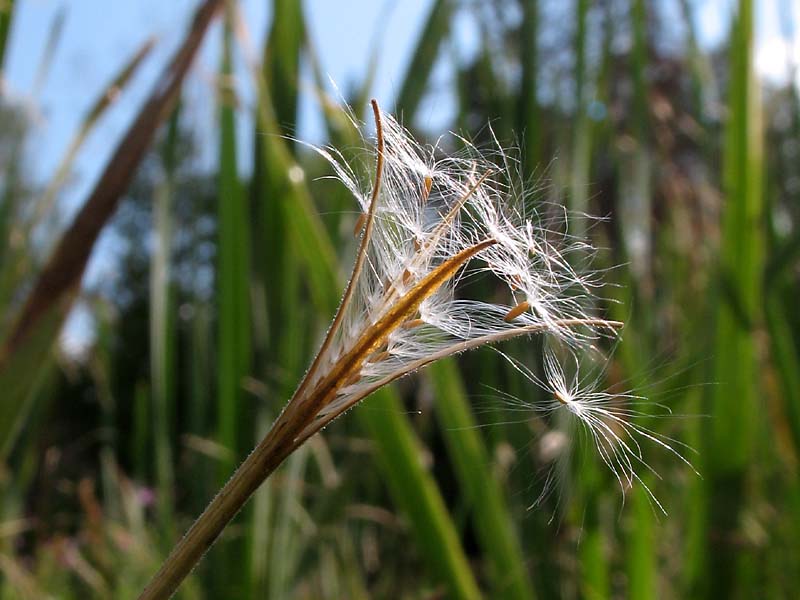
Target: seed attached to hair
{"x": 559, "y": 397}
{"x": 379, "y": 356}
{"x": 516, "y": 311}
{"x": 426, "y": 191}
{"x": 410, "y": 324}
{"x": 353, "y": 379}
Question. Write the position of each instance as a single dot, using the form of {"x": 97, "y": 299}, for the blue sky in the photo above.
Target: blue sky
{"x": 97, "y": 39}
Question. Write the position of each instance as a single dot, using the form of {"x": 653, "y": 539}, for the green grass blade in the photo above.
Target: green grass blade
{"x": 415, "y": 492}
{"x": 54, "y": 289}
{"x": 6, "y": 18}
{"x": 581, "y": 143}
{"x": 201, "y": 407}
{"x": 741, "y": 268}
{"x": 22, "y": 373}
{"x": 636, "y": 217}
{"x": 142, "y": 428}
{"x": 308, "y": 234}
{"x": 529, "y": 119}
{"x": 279, "y": 336}
{"x": 482, "y": 493}
{"x": 105, "y": 100}
{"x": 282, "y": 60}
{"x": 787, "y": 363}
{"x": 734, "y": 406}
{"x": 415, "y": 80}
{"x": 49, "y": 53}
{"x": 233, "y": 344}
{"x": 287, "y": 545}
{"x": 641, "y": 547}
{"x": 162, "y": 335}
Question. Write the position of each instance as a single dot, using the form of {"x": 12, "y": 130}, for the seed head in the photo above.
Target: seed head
{"x": 424, "y": 208}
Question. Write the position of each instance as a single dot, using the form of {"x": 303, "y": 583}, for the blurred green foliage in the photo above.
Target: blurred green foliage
{"x": 428, "y": 489}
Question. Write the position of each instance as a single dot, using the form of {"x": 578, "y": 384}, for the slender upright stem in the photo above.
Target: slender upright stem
{"x": 292, "y": 428}
{"x": 264, "y": 459}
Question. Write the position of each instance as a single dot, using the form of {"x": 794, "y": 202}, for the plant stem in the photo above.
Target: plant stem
{"x": 297, "y": 423}
{"x": 265, "y": 458}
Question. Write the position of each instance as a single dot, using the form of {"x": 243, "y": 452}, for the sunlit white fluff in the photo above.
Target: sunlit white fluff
{"x": 574, "y": 385}
{"x": 430, "y": 206}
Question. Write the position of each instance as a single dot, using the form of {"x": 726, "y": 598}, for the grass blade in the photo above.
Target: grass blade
{"x": 415, "y": 492}
{"x": 49, "y": 54}
{"x": 279, "y": 337}
{"x": 55, "y": 286}
{"x": 233, "y": 345}
{"x": 415, "y": 80}
{"x": 733, "y": 401}
{"x": 162, "y": 335}
{"x": 483, "y": 495}
{"x": 529, "y": 119}
{"x": 104, "y": 101}
{"x": 6, "y": 18}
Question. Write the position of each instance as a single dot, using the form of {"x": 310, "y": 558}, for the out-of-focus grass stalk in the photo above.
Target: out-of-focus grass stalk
{"x": 779, "y": 291}
{"x": 162, "y": 335}
{"x": 703, "y": 82}
{"x": 49, "y": 52}
{"x": 594, "y": 563}
{"x": 21, "y": 377}
{"x": 28, "y": 341}
{"x": 287, "y": 545}
{"x": 6, "y": 18}
{"x": 635, "y": 216}
{"x": 101, "y": 369}
{"x": 141, "y": 431}
{"x": 416, "y": 77}
{"x": 233, "y": 309}
{"x": 787, "y": 362}
{"x": 105, "y": 100}
{"x": 733, "y": 403}
{"x": 416, "y": 493}
{"x": 483, "y": 495}
{"x": 233, "y": 345}
{"x": 199, "y": 410}
{"x": 279, "y": 337}
{"x": 581, "y": 142}
{"x": 529, "y": 117}
{"x": 305, "y": 230}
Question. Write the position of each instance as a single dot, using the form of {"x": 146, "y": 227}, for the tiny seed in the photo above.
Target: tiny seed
{"x": 413, "y": 323}
{"x": 379, "y": 356}
{"x": 516, "y": 311}
{"x": 428, "y": 183}
{"x": 352, "y": 379}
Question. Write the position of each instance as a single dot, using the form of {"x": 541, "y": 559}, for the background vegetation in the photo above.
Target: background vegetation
{"x": 225, "y": 282}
